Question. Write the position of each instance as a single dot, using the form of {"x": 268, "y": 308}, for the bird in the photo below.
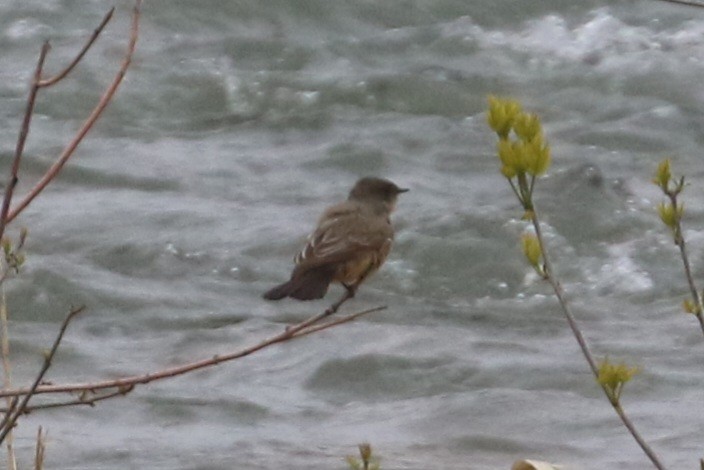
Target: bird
{"x": 351, "y": 241}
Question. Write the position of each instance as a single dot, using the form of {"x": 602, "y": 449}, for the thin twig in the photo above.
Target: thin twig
{"x": 300, "y": 329}
{"x": 337, "y": 321}
{"x": 86, "y": 399}
{"x": 7, "y": 412}
{"x": 41, "y": 447}
{"x": 91, "y": 397}
{"x": 681, "y": 244}
{"x": 686, "y": 2}
{"x": 7, "y": 371}
{"x": 638, "y": 438}
{"x": 329, "y": 311}
{"x": 22, "y": 139}
{"x": 87, "y": 125}
{"x": 559, "y": 293}
{"x": 21, "y": 408}
{"x": 5, "y": 340}
{"x": 61, "y": 75}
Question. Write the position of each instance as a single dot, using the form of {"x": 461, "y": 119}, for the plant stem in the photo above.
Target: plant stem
{"x": 560, "y": 294}
{"x": 7, "y": 376}
{"x": 681, "y": 244}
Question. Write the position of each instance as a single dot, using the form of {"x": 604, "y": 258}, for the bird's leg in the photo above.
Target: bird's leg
{"x": 350, "y": 290}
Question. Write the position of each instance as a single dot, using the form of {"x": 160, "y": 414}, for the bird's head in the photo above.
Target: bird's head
{"x": 377, "y": 191}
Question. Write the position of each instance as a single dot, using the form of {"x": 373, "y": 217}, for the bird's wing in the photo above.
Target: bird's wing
{"x": 344, "y": 231}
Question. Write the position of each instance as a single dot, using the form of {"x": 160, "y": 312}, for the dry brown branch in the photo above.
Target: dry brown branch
{"x": 38, "y": 83}
{"x": 88, "y": 124}
{"x": 22, "y": 407}
{"x": 22, "y": 139}
{"x": 126, "y": 384}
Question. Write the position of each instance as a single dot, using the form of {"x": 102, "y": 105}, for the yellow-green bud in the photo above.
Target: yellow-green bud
{"x": 508, "y": 171}
{"x": 531, "y": 249}
{"x": 537, "y": 154}
{"x": 670, "y": 215}
{"x": 663, "y": 175}
{"x": 501, "y": 115}
{"x": 527, "y": 126}
{"x": 6, "y": 245}
{"x": 690, "y": 306}
{"x": 510, "y": 157}
{"x": 613, "y": 377}
{"x": 365, "y": 451}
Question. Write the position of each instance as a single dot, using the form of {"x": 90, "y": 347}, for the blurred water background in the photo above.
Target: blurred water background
{"x": 239, "y": 121}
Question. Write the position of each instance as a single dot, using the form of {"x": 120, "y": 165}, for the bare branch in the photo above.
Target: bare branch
{"x": 126, "y": 384}
{"x": 87, "y": 125}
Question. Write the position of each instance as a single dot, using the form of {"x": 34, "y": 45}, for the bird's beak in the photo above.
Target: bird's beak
{"x": 402, "y": 190}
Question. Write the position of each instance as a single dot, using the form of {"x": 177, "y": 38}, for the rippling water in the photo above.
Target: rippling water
{"x": 240, "y": 121}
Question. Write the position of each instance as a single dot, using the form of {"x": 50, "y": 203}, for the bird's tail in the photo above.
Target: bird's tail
{"x": 312, "y": 284}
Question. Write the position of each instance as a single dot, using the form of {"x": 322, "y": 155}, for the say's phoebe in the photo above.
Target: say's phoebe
{"x": 351, "y": 242}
